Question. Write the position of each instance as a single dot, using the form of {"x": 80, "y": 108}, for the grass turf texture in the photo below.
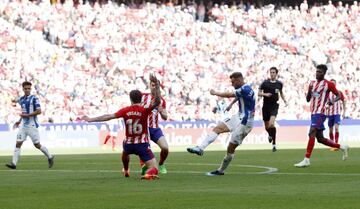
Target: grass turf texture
{"x": 96, "y": 182}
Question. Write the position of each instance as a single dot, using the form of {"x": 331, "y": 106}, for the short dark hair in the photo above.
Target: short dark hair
{"x": 332, "y": 80}
{"x": 26, "y": 83}
{"x": 322, "y": 67}
{"x": 274, "y": 68}
{"x": 135, "y": 96}
{"x": 236, "y": 75}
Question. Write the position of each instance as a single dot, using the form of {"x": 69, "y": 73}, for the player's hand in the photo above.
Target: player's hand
{"x": 228, "y": 108}
{"x": 85, "y": 118}
{"x": 153, "y": 78}
{"x": 330, "y": 102}
{"x": 212, "y": 92}
{"x": 16, "y": 124}
{"x": 267, "y": 94}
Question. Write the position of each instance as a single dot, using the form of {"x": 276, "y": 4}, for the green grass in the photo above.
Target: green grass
{"x": 95, "y": 182}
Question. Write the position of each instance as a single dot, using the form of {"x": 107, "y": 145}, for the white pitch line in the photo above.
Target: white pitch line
{"x": 183, "y": 172}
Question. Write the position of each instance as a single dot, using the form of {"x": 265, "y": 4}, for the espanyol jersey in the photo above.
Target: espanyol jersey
{"x": 29, "y": 104}
{"x": 320, "y": 95}
{"x": 246, "y": 101}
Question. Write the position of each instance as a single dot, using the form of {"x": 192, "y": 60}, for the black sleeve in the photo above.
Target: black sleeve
{"x": 281, "y": 85}
{"x": 262, "y": 85}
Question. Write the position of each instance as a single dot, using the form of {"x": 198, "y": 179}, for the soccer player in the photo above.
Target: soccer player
{"x": 333, "y": 114}
{"x": 156, "y": 134}
{"x": 28, "y": 124}
{"x": 317, "y": 95}
{"x": 270, "y": 90}
{"x": 240, "y": 124}
{"x": 137, "y": 137}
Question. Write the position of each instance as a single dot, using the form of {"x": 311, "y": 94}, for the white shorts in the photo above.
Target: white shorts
{"x": 238, "y": 130}
{"x": 30, "y": 131}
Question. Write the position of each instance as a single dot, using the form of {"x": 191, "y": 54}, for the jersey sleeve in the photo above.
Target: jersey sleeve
{"x": 332, "y": 87}
{"x": 281, "y": 86}
{"x": 36, "y": 103}
{"x": 120, "y": 113}
{"x": 262, "y": 85}
{"x": 342, "y": 98}
{"x": 238, "y": 92}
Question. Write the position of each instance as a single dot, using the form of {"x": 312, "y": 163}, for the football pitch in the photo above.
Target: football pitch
{"x": 254, "y": 179}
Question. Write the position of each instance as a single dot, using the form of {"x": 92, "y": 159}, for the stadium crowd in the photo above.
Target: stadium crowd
{"x": 86, "y": 59}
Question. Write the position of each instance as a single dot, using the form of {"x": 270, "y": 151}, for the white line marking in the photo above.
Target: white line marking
{"x": 268, "y": 170}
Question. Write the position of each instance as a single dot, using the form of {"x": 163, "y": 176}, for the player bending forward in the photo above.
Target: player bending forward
{"x": 137, "y": 136}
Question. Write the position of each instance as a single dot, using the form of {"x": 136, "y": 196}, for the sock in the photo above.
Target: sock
{"x": 141, "y": 163}
{"x": 336, "y": 137}
{"x": 16, "y": 155}
{"x": 44, "y": 150}
{"x": 152, "y": 171}
{"x": 272, "y": 133}
{"x": 226, "y": 161}
{"x": 210, "y": 138}
{"x": 329, "y": 143}
{"x": 107, "y": 139}
{"x": 113, "y": 138}
{"x": 163, "y": 155}
{"x": 268, "y": 130}
{"x": 310, "y": 146}
{"x": 331, "y": 136}
{"x": 125, "y": 160}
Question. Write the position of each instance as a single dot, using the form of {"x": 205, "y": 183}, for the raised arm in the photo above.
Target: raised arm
{"x": 222, "y": 94}
{"x": 157, "y": 91}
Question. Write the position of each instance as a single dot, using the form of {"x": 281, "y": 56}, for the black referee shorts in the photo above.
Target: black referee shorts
{"x": 268, "y": 111}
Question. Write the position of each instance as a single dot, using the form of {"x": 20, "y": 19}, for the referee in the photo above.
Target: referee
{"x": 270, "y": 90}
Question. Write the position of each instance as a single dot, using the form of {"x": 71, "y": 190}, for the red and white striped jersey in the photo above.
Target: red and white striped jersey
{"x": 337, "y": 107}
{"x": 146, "y": 101}
{"x": 135, "y": 118}
{"x": 320, "y": 95}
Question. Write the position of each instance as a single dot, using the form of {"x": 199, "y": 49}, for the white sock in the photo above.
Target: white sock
{"x": 16, "y": 155}
{"x": 210, "y": 138}
{"x": 226, "y": 161}
{"x": 45, "y": 151}
{"x": 342, "y": 147}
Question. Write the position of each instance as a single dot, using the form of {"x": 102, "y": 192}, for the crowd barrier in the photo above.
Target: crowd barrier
{"x": 77, "y": 136}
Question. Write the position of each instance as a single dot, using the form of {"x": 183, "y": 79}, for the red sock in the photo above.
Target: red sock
{"x": 336, "y": 137}
{"x": 152, "y": 171}
{"x": 107, "y": 138}
{"x": 331, "y": 136}
{"x": 330, "y": 143}
{"x": 141, "y": 163}
{"x": 163, "y": 155}
{"x": 310, "y": 146}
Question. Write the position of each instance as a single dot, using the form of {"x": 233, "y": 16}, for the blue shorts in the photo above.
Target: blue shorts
{"x": 155, "y": 134}
{"x": 333, "y": 119}
{"x": 317, "y": 121}
{"x": 142, "y": 150}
